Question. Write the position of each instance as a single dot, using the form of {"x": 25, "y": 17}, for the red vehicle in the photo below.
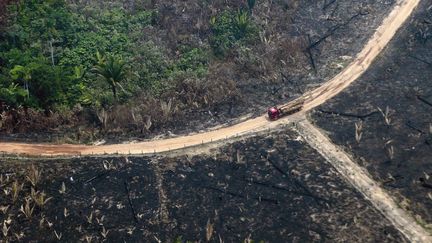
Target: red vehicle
{"x": 275, "y": 113}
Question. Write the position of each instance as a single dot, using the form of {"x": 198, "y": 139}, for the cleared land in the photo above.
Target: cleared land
{"x": 265, "y": 188}
{"x": 269, "y": 188}
{"x": 362, "y": 181}
{"x": 393, "y": 144}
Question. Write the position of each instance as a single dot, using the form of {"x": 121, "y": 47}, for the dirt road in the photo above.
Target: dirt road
{"x": 363, "y": 60}
{"x": 363, "y": 182}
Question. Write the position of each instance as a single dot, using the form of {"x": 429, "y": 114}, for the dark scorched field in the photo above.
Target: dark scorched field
{"x": 270, "y": 188}
{"x": 396, "y": 142}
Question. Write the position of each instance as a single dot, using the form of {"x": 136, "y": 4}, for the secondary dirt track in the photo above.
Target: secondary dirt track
{"x": 361, "y": 180}
{"x": 363, "y": 60}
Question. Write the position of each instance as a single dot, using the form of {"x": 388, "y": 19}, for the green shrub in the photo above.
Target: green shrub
{"x": 192, "y": 63}
{"x": 44, "y": 84}
{"x": 13, "y": 94}
{"x": 82, "y": 53}
{"x": 151, "y": 64}
{"x": 231, "y": 28}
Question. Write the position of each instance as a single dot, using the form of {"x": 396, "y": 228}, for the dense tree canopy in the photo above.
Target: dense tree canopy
{"x": 48, "y": 47}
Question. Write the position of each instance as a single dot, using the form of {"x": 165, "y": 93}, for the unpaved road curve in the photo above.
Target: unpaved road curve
{"x": 363, "y": 60}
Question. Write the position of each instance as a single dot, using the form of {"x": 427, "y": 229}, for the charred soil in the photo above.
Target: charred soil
{"x": 268, "y": 188}
{"x": 384, "y": 119}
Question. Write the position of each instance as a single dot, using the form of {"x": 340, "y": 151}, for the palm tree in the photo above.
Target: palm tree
{"x": 112, "y": 70}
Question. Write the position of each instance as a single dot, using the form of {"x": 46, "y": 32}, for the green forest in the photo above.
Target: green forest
{"x": 57, "y": 55}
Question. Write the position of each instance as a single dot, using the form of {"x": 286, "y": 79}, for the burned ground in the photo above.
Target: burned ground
{"x": 394, "y": 144}
{"x": 267, "y": 188}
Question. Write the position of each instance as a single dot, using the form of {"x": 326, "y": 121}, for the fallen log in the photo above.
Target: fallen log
{"x": 126, "y": 184}
{"x": 348, "y": 114}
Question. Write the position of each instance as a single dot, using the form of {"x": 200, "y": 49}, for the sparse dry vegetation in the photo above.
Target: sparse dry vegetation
{"x": 14, "y": 190}
{"x": 358, "y": 131}
{"x": 387, "y": 115}
{"x": 34, "y": 175}
{"x": 27, "y": 208}
{"x": 39, "y": 198}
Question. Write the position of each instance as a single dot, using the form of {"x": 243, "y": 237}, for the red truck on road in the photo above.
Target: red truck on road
{"x": 292, "y": 107}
